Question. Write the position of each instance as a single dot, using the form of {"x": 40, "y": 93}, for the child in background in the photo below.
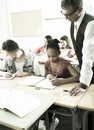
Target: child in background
{"x": 41, "y": 57}
{"x": 59, "y": 70}
{"x": 16, "y": 60}
{"x": 65, "y": 47}
{"x": 42, "y": 49}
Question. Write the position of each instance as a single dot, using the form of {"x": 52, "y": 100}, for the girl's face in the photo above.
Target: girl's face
{"x": 53, "y": 55}
{"x": 45, "y": 42}
{"x": 63, "y": 43}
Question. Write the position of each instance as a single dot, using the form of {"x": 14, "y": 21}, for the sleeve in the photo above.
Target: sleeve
{"x": 86, "y": 72}
{"x": 8, "y": 65}
{"x": 4, "y": 65}
{"x": 37, "y": 50}
{"x": 29, "y": 63}
{"x": 71, "y": 53}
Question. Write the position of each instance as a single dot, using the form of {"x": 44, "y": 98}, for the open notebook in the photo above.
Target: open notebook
{"x": 17, "y": 102}
{"x": 38, "y": 82}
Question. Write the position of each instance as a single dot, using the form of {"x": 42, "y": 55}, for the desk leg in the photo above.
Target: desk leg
{"x": 85, "y": 120}
{"x": 81, "y": 121}
{"x": 74, "y": 119}
{"x": 46, "y": 116}
{"x": 93, "y": 121}
{"x": 34, "y": 126}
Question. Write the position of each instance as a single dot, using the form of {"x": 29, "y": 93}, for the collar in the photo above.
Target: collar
{"x": 78, "y": 22}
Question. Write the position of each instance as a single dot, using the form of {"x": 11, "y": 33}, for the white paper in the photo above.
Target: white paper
{"x": 32, "y": 80}
{"x": 46, "y": 83}
{"x": 2, "y": 77}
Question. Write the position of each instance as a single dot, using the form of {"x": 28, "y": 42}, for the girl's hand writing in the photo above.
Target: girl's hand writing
{"x": 56, "y": 81}
{"x": 50, "y": 76}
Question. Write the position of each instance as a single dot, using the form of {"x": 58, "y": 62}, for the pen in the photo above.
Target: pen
{"x": 65, "y": 90}
{"x": 56, "y": 75}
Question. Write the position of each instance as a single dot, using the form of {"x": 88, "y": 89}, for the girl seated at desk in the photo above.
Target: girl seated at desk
{"x": 16, "y": 62}
{"x": 41, "y": 57}
{"x": 59, "y": 70}
{"x": 42, "y": 49}
{"x": 66, "y": 50}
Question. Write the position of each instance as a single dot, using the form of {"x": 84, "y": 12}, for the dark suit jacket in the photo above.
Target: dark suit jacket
{"x": 78, "y": 43}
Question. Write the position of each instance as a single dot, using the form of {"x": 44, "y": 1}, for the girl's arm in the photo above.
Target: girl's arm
{"x": 21, "y": 74}
{"x": 74, "y": 77}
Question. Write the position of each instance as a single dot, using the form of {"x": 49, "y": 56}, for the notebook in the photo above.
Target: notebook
{"x": 17, "y": 102}
{"x": 38, "y": 82}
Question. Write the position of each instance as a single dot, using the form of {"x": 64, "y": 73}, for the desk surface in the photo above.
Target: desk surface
{"x": 11, "y": 120}
{"x": 47, "y": 98}
{"x": 61, "y": 98}
{"x": 87, "y": 101}
{"x": 64, "y": 99}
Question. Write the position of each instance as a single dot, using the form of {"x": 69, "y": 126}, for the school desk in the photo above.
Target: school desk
{"x": 11, "y": 120}
{"x": 67, "y": 102}
{"x": 56, "y": 96}
{"x": 87, "y": 104}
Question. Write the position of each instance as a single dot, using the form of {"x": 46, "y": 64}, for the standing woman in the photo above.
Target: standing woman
{"x": 66, "y": 50}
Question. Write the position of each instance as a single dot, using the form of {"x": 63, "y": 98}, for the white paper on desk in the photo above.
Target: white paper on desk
{"x": 3, "y": 97}
{"x": 4, "y": 78}
{"x": 32, "y": 80}
{"x": 46, "y": 84}
{"x": 18, "y": 103}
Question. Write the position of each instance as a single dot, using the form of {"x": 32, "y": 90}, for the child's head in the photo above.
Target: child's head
{"x": 47, "y": 38}
{"x": 53, "y": 51}
{"x": 56, "y": 40}
{"x": 10, "y": 47}
{"x": 64, "y": 40}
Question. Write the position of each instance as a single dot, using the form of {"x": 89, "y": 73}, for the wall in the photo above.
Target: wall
{"x": 4, "y": 24}
{"x": 16, "y": 6}
{"x": 53, "y": 22}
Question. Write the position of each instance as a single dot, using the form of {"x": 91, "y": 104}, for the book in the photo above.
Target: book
{"x": 18, "y": 102}
{"x": 38, "y": 82}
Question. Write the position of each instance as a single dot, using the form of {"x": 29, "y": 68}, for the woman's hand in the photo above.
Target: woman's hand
{"x": 77, "y": 90}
